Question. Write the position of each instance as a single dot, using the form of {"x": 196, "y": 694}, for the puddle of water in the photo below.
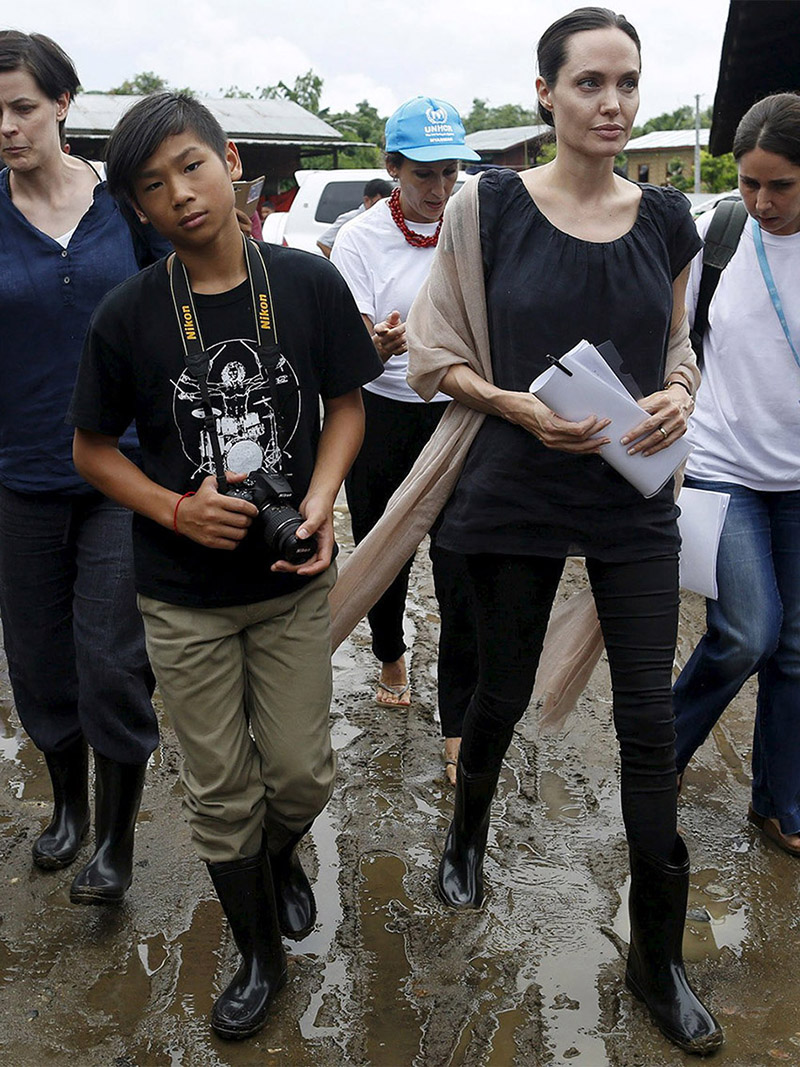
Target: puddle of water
{"x": 336, "y": 987}
{"x": 562, "y": 804}
{"x": 567, "y": 973}
{"x": 121, "y": 994}
{"x": 726, "y": 922}
{"x": 503, "y": 1047}
{"x": 343, "y": 733}
{"x": 393, "y": 1026}
{"x": 29, "y": 780}
{"x": 12, "y": 739}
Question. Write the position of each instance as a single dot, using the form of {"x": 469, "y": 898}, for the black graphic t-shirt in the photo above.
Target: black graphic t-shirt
{"x": 133, "y": 368}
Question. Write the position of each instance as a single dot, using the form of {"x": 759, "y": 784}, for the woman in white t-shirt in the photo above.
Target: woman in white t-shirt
{"x": 746, "y": 430}
{"x": 385, "y": 255}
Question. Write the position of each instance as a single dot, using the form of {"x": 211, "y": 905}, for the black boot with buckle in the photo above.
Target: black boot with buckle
{"x": 460, "y": 878}
{"x": 58, "y": 845}
{"x": 294, "y": 897}
{"x": 245, "y": 891}
{"x": 118, "y": 793}
{"x": 655, "y": 972}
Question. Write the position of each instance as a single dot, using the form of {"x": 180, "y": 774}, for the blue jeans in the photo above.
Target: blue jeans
{"x": 753, "y": 628}
{"x": 73, "y": 636}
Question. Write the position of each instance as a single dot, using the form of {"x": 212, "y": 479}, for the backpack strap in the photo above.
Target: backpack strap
{"x": 721, "y": 241}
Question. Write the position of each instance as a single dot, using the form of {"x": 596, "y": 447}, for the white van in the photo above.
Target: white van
{"x": 322, "y": 196}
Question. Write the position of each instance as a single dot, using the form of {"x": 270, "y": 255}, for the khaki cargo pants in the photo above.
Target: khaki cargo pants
{"x": 247, "y": 690}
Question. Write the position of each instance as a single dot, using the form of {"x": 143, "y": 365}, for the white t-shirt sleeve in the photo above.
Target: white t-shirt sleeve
{"x": 347, "y": 258}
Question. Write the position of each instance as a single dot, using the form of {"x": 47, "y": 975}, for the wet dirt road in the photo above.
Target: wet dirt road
{"x": 388, "y": 978}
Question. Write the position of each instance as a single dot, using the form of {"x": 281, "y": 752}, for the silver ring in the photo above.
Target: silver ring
{"x": 662, "y": 431}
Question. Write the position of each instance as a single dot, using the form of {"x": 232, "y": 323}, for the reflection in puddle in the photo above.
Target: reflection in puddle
{"x": 335, "y": 989}
{"x": 562, "y": 804}
{"x": 567, "y": 973}
{"x": 29, "y": 779}
{"x": 717, "y": 918}
{"x": 393, "y": 1028}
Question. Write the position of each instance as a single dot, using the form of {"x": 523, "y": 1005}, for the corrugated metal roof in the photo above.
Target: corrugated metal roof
{"x": 505, "y": 137}
{"x": 667, "y": 139}
{"x": 253, "y": 120}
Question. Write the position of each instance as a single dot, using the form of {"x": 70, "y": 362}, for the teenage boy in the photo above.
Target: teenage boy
{"x": 238, "y": 637}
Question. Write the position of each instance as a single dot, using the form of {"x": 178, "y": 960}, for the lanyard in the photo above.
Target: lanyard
{"x": 195, "y": 355}
{"x": 260, "y": 294}
{"x": 772, "y": 289}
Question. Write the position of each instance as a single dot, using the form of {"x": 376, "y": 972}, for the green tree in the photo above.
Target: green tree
{"x": 233, "y": 92}
{"x": 306, "y": 91}
{"x": 680, "y": 119}
{"x": 483, "y": 117}
{"x": 141, "y": 84}
{"x": 677, "y": 176}
{"x": 546, "y": 153}
{"x": 718, "y": 173}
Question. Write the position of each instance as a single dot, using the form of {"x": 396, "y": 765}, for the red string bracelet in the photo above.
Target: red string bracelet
{"x": 175, "y": 513}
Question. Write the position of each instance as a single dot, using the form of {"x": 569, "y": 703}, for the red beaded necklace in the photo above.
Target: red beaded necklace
{"x": 418, "y": 240}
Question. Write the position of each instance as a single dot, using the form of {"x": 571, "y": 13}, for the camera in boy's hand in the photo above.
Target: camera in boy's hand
{"x": 272, "y": 494}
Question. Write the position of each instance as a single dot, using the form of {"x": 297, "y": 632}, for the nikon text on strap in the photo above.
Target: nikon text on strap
{"x": 195, "y": 355}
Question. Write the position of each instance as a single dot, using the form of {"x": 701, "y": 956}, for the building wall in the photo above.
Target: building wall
{"x": 656, "y": 160}
{"x": 516, "y": 157}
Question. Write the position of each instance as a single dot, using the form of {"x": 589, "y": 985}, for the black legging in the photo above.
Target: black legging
{"x": 637, "y": 604}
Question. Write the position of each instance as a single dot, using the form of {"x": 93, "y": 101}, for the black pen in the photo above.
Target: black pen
{"x": 556, "y": 362}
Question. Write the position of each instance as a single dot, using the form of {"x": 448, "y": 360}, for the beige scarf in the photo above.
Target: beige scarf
{"x": 448, "y": 325}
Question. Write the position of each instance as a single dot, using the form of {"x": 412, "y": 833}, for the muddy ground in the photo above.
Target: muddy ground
{"x": 389, "y": 978}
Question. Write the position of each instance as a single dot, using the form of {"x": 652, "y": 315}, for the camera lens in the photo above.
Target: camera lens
{"x": 281, "y": 523}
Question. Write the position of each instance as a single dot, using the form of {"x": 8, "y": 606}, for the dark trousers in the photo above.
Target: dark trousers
{"x": 637, "y": 604}
{"x": 395, "y": 434}
{"x": 73, "y": 637}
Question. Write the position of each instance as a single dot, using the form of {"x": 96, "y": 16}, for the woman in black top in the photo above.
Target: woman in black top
{"x": 572, "y": 251}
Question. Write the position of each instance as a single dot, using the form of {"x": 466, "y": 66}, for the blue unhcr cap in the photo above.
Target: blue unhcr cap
{"x": 426, "y": 129}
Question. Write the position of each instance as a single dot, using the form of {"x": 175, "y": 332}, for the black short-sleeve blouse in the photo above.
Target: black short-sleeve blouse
{"x": 546, "y": 291}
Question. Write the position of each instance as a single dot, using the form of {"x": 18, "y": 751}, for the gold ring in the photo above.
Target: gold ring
{"x": 662, "y": 431}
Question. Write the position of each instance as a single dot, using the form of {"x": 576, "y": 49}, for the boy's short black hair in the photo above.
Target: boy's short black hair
{"x": 143, "y": 128}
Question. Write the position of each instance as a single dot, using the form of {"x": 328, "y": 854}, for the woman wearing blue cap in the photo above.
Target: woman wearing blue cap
{"x": 385, "y": 256}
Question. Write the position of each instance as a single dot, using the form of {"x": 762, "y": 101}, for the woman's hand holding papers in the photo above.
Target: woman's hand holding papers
{"x": 668, "y": 411}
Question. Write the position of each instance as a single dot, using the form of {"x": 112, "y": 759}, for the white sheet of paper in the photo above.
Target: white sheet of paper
{"x": 700, "y": 523}
{"x": 593, "y": 388}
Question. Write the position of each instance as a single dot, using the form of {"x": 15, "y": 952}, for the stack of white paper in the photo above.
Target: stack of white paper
{"x": 701, "y": 520}
{"x": 593, "y": 389}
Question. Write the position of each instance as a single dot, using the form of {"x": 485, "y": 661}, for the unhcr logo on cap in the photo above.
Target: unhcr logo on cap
{"x": 436, "y": 115}
{"x": 427, "y": 129}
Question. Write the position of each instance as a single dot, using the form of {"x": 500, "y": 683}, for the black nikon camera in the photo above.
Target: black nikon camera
{"x": 272, "y": 494}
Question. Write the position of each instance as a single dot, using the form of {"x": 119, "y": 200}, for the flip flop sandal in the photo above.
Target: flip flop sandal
{"x": 396, "y": 691}
{"x": 771, "y": 831}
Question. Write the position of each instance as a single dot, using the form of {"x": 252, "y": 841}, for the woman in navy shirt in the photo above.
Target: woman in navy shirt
{"x": 73, "y": 637}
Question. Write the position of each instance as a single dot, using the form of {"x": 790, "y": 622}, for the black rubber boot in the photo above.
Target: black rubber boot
{"x": 59, "y": 843}
{"x": 655, "y": 972}
{"x": 244, "y": 888}
{"x": 294, "y": 897}
{"x": 460, "y": 879}
{"x": 118, "y": 793}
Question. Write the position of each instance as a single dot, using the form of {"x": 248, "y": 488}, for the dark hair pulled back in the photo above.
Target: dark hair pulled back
{"x": 551, "y": 52}
{"x": 773, "y": 124}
